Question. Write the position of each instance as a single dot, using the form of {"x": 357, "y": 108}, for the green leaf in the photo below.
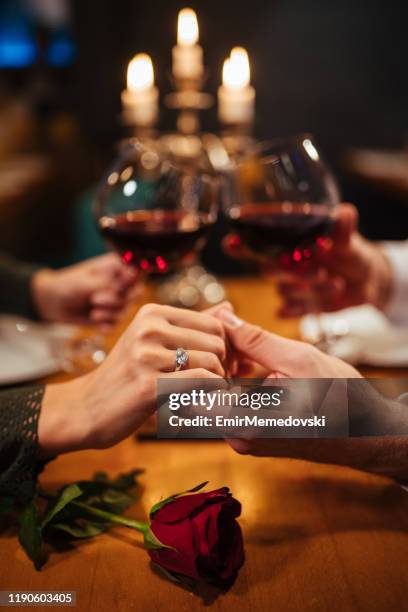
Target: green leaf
{"x": 123, "y": 482}
{"x": 87, "y": 529}
{"x": 166, "y": 501}
{"x": 65, "y": 497}
{"x": 152, "y": 542}
{"x": 30, "y": 533}
{"x": 126, "y": 481}
{"x": 115, "y": 501}
{"x": 80, "y": 510}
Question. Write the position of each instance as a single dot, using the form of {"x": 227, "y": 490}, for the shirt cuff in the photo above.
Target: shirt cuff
{"x": 397, "y": 307}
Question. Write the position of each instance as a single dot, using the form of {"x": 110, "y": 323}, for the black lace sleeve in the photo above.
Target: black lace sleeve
{"x": 19, "y": 467}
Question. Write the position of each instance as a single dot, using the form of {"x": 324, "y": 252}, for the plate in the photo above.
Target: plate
{"x": 30, "y": 350}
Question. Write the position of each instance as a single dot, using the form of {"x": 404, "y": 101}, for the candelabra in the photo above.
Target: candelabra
{"x": 236, "y": 99}
{"x": 187, "y": 143}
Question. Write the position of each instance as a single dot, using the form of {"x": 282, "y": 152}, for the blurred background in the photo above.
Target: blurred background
{"x": 336, "y": 69}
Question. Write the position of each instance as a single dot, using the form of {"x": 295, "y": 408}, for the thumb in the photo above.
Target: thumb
{"x": 268, "y": 350}
{"x": 346, "y": 224}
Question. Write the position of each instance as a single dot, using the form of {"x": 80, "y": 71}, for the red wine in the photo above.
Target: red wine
{"x": 155, "y": 240}
{"x": 271, "y": 229}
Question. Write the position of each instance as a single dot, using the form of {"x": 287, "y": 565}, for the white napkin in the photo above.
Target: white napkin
{"x": 360, "y": 335}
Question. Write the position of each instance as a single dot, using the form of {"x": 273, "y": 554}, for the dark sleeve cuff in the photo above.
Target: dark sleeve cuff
{"x": 19, "y": 465}
{"x": 15, "y": 284}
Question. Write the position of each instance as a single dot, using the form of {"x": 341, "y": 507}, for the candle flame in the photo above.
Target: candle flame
{"x": 236, "y": 72}
{"x": 140, "y": 74}
{"x": 187, "y": 27}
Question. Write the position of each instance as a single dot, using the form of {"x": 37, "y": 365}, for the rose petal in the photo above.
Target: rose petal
{"x": 180, "y": 537}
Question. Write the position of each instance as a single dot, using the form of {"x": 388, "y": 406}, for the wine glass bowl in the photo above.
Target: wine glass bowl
{"x": 280, "y": 199}
{"x": 154, "y": 212}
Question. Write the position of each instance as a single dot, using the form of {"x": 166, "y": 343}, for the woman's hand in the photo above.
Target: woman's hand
{"x": 347, "y": 270}
{"x": 107, "y": 405}
{"x": 91, "y": 292}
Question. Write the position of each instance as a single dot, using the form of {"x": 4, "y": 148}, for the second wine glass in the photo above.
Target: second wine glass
{"x": 280, "y": 201}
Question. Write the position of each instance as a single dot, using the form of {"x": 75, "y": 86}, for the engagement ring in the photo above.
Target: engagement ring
{"x": 181, "y": 359}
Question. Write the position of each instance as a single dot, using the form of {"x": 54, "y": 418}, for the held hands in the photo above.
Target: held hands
{"x": 347, "y": 270}
{"x": 107, "y": 405}
{"x": 91, "y": 292}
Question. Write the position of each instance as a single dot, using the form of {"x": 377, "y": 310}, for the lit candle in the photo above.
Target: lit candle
{"x": 187, "y": 54}
{"x": 236, "y": 97}
{"x": 140, "y": 99}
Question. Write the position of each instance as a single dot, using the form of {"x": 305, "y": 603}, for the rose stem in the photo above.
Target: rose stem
{"x": 113, "y": 518}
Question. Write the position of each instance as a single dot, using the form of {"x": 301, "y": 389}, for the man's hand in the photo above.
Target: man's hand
{"x": 281, "y": 357}
{"x": 91, "y": 292}
{"x": 277, "y": 356}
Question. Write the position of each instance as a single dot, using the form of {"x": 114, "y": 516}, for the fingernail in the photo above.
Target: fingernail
{"x": 230, "y": 319}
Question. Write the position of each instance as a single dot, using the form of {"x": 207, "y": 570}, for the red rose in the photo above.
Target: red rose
{"x": 203, "y": 538}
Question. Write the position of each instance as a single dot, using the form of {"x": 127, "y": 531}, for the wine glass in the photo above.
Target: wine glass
{"x": 280, "y": 200}
{"x": 156, "y": 213}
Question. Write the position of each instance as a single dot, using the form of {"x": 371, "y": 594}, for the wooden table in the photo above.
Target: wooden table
{"x": 317, "y": 537}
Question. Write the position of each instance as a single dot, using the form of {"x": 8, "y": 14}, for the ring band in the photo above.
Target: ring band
{"x": 181, "y": 359}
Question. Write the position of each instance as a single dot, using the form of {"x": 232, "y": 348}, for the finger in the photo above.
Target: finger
{"x": 222, "y": 306}
{"x": 110, "y": 271}
{"x": 106, "y": 328}
{"x": 269, "y": 350}
{"x": 174, "y": 337}
{"x": 186, "y": 319}
{"x": 208, "y": 361}
{"x": 165, "y": 360}
{"x": 187, "y": 380}
{"x": 108, "y": 264}
{"x": 231, "y": 362}
{"x": 107, "y": 299}
{"x": 104, "y": 315}
{"x": 127, "y": 277}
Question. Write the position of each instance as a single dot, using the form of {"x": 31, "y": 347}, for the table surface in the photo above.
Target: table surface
{"x": 316, "y": 536}
{"x": 385, "y": 170}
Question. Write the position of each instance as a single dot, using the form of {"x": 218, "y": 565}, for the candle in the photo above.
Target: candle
{"x": 140, "y": 99}
{"x": 236, "y": 97}
{"x": 187, "y": 54}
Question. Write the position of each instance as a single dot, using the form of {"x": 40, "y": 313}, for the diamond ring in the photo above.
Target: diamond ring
{"x": 181, "y": 359}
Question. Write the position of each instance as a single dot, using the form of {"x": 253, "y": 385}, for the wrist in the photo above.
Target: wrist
{"x": 42, "y": 284}
{"x": 64, "y": 424}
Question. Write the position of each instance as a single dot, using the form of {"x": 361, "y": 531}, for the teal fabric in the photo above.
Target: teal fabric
{"x": 87, "y": 241}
